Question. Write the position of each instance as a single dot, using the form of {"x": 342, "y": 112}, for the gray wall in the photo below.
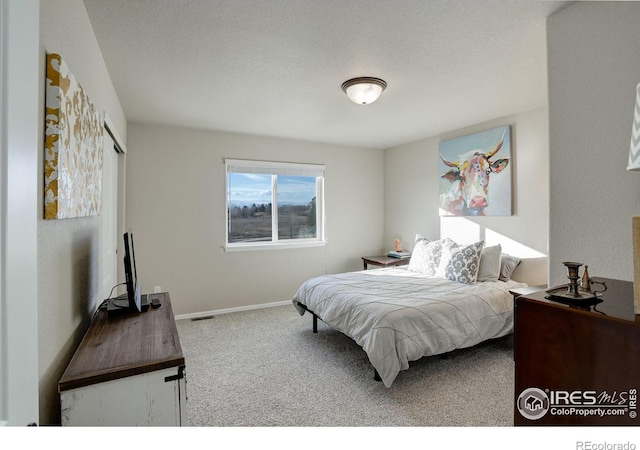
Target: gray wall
{"x": 594, "y": 67}
{"x": 176, "y": 209}
{"x": 68, "y": 250}
{"x": 411, "y": 193}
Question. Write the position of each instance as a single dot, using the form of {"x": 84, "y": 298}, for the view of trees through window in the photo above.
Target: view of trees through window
{"x": 297, "y": 221}
{"x": 250, "y": 213}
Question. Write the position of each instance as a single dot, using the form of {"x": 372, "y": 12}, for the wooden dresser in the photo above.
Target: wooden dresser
{"x": 577, "y": 365}
{"x": 129, "y": 370}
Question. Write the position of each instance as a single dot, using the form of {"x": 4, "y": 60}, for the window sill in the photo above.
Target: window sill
{"x": 271, "y": 246}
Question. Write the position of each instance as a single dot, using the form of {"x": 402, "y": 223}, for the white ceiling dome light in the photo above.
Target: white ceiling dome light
{"x": 364, "y": 90}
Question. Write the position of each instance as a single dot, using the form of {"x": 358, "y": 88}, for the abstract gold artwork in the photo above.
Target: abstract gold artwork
{"x": 73, "y": 146}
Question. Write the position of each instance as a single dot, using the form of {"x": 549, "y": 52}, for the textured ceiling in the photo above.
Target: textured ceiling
{"x": 275, "y": 67}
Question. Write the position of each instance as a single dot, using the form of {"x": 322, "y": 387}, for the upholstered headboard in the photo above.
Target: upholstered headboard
{"x": 533, "y": 271}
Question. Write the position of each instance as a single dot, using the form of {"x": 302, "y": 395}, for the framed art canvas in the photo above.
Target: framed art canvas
{"x": 475, "y": 174}
{"x": 73, "y": 146}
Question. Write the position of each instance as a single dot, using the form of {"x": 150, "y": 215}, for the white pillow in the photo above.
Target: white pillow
{"x": 416, "y": 261}
{"x": 464, "y": 263}
{"x": 490, "y": 260}
{"x": 425, "y": 257}
{"x": 449, "y": 247}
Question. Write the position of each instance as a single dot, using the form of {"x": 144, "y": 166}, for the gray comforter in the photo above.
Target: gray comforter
{"x": 398, "y": 316}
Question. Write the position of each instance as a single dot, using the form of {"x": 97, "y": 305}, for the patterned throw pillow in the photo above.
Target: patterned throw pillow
{"x": 464, "y": 263}
{"x": 425, "y": 257}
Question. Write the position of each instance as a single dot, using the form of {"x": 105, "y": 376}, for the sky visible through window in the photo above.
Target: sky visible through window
{"x": 249, "y": 188}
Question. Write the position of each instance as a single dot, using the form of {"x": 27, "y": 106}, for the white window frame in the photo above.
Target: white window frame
{"x": 274, "y": 169}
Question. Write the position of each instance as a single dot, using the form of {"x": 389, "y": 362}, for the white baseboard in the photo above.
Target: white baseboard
{"x": 200, "y": 315}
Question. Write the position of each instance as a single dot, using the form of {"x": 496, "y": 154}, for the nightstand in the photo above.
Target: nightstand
{"x": 383, "y": 261}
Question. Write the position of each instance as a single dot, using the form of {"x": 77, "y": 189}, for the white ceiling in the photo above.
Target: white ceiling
{"x": 275, "y": 67}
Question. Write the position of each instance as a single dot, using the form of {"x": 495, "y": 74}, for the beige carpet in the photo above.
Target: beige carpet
{"x": 265, "y": 367}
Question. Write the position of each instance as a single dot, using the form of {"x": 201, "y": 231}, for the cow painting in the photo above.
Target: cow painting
{"x": 464, "y": 188}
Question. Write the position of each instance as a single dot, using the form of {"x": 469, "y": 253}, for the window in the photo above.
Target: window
{"x": 274, "y": 204}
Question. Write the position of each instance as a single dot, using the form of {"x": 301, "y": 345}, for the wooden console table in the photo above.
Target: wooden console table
{"x": 577, "y": 365}
{"x": 127, "y": 371}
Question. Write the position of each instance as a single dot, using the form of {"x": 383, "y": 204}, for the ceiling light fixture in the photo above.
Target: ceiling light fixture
{"x": 364, "y": 90}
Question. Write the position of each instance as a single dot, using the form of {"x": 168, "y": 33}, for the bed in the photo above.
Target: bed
{"x": 401, "y": 314}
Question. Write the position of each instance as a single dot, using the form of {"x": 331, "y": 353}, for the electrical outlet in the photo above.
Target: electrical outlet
{"x": 157, "y": 289}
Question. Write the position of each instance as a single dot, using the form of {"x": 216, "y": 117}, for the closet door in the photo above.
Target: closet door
{"x": 109, "y": 228}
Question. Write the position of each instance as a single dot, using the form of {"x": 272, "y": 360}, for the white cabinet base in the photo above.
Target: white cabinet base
{"x": 139, "y": 400}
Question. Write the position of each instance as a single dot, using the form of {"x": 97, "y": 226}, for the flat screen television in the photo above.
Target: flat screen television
{"x": 133, "y": 299}
{"x": 131, "y": 273}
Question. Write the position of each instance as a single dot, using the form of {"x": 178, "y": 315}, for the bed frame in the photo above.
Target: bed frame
{"x": 315, "y": 317}
{"x": 376, "y": 375}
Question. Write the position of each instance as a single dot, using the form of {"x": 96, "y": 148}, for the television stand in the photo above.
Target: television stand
{"x": 129, "y": 370}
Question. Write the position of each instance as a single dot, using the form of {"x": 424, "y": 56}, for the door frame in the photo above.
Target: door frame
{"x": 121, "y": 150}
{"x": 19, "y": 130}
